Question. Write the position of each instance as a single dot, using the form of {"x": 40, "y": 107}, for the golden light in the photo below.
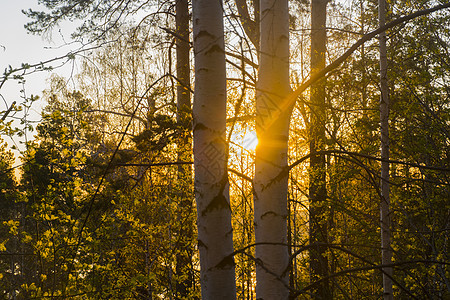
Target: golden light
{"x": 249, "y": 141}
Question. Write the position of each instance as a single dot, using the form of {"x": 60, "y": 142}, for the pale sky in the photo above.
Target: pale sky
{"x": 17, "y": 47}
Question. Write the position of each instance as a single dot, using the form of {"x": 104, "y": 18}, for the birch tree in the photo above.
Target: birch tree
{"x": 272, "y": 129}
{"x": 215, "y": 240}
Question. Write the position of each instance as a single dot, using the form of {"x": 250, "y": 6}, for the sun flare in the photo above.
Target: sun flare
{"x": 249, "y": 141}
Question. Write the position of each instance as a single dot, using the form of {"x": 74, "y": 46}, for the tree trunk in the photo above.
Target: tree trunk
{"x": 272, "y": 129}
{"x": 251, "y": 27}
{"x": 317, "y": 187}
{"x": 215, "y": 238}
{"x": 183, "y": 66}
{"x": 185, "y": 218}
{"x": 386, "y": 252}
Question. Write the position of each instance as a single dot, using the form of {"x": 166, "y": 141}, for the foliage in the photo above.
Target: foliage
{"x": 102, "y": 210}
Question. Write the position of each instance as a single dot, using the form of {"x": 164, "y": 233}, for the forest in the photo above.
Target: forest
{"x": 231, "y": 149}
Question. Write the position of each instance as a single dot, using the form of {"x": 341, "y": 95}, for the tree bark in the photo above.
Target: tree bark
{"x": 318, "y": 218}
{"x": 183, "y": 66}
{"x": 185, "y": 218}
{"x": 215, "y": 238}
{"x": 251, "y": 27}
{"x": 272, "y": 129}
{"x": 386, "y": 252}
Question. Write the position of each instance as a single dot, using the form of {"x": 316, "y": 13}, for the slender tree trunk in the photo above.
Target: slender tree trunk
{"x": 386, "y": 252}
{"x": 251, "y": 26}
{"x": 183, "y": 66}
{"x": 317, "y": 187}
{"x": 215, "y": 238}
{"x": 272, "y": 129}
{"x": 184, "y": 144}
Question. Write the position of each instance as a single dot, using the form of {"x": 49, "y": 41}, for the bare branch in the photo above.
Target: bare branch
{"x": 322, "y": 73}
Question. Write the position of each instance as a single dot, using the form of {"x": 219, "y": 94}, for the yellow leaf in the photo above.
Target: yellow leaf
{"x": 2, "y": 246}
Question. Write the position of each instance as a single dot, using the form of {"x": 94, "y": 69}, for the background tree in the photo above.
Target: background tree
{"x": 385, "y": 216}
{"x": 319, "y": 206}
{"x": 11, "y": 204}
{"x": 184, "y": 117}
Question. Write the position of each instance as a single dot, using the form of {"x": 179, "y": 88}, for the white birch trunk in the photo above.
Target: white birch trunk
{"x": 272, "y": 128}
{"x": 215, "y": 239}
{"x": 385, "y": 219}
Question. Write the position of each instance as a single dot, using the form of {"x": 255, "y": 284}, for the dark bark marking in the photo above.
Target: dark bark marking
{"x": 200, "y": 126}
{"x": 201, "y": 244}
{"x": 215, "y": 48}
{"x": 203, "y": 33}
{"x": 219, "y": 202}
{"x": 226, "y": 263}
{"x": 268, "y": 213}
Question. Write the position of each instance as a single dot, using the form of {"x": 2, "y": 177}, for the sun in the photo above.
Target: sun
{"x": 243, "y": 139}
{"x": 249, "y": 141}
